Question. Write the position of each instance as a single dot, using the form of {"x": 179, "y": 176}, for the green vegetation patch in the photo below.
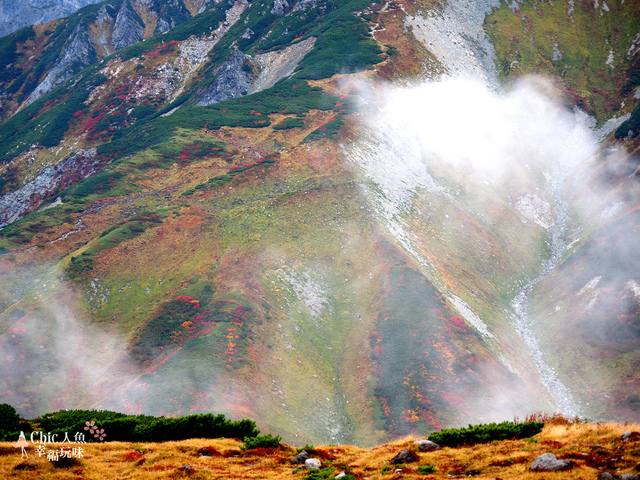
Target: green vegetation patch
{"x": 185, "y": 319}
{"x": 286, "y": 97}
{"x": 109, "y": 239}
{"x": 261, "y": 441}
{"x": 585, "y": 47}
{"x": 630, "y": 126}
{"x": 144, "y": 428}
{"x": 456, "y": 437}
{"x": 343, "y": 41}
{"x": 426, "y": 469}
{"x": 45, "y": 121}
{"x": 9, "y": 55}
{"x": 344, "y": 44}
{"x": 183, "y": 151}
{"x": 102, "y": 183}
{"x": 326, "y": 473}
{"x": 23, "y": 231}
{"x": 9, "y": 422}
{"x": 288, "y": 123}
{"x": 328, "y": 130}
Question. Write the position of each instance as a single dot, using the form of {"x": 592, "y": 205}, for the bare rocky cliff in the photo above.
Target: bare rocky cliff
{"x": 15, "y": 14}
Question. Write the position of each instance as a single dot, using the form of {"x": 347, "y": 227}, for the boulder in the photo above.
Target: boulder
{"x": 300, "y": 458}
{"x": 427, "y": 445}
{"x": 405, "y": 456}
{"x": 312, "y": 464}
{"x": 548, "y": 463}
{"x": 609, "y": 476}
{"x": 630, "y": 436}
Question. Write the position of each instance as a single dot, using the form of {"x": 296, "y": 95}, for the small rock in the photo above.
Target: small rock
{"x": 427, "y": 445}
{"x": 340, "y": 475}
{"x": 405, "y": 456}
{"x": 548, "y": 463}
{"x": 312, "y": 464}
{"x": 300, "y": 458}
{"x": 397, "y": 470}
{"x": 187, "y": 466}
{"x": 609, "y": 476}
{"x": 630, "y": 436}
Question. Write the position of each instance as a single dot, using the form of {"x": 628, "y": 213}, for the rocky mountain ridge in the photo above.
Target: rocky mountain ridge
{"x": 17, "y": 14}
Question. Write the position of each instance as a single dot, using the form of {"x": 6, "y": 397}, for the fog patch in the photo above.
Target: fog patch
{"x": 52, "y": 357}
{"x": 459, "y": 145}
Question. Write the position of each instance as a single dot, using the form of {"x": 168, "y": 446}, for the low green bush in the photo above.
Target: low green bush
{"x": 426, "y": 469}
{"x": 145, "y": 428}
{"x": 288, "y": 123}
{"x": 261, "y": 441}
{"x": 307, "y": 448}
{"x": 328, "y": 130}
{"x": 455, "y": 437}
{"x": 9, "y": 421}
{"x": 325, "y": 473}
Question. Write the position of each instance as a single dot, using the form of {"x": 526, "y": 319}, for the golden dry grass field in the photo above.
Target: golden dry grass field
{"x": 593, "y": 448}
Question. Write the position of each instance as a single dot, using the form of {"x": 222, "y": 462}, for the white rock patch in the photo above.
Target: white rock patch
{"x": 536, "y": 209}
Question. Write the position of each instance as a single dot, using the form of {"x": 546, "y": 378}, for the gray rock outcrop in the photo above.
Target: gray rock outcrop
{"x": 609, "y": 476}
{"x": 105, "y": 23}
{"x": 427, "y": 445}
{"x": 549, "y": 463}
{"x": 78, "y": 54}
{"x": 405, "y": 456}
{"x": 15, "y": 14}
{"x": 128, "y": 29}
{"x": 233, "y": 81}
{"x": 15, "y": 205}
{"x": 279, "y": 6}
{"x": 312, "y": 464}
{"x": 300, "y": 458}
{"x": 163, "y": 26}
{"x": 243, "y": 74}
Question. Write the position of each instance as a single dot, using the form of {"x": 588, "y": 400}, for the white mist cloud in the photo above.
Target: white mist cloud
{"x": 467, "y": 125}
{"x": 456, "y": 145}
{"x": 51, "y": 356}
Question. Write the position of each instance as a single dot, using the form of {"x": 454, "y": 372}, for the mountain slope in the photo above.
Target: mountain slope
{"x": 242, "y": 215}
